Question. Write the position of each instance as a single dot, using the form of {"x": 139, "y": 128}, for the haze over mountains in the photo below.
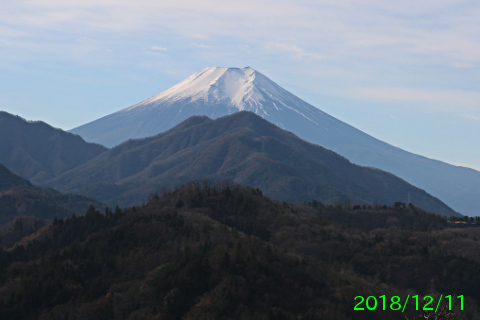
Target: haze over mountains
{"x": 37, "y": 151}
{"x": 217, "y": 92}
{"x": 18, "y": 197}
{"x": 244, "y": 148}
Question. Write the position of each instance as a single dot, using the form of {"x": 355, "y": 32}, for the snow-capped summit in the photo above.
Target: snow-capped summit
{"x": 213, "y": 92}
{"x": 238, "y": 87}
{"x": 216, "y": 92}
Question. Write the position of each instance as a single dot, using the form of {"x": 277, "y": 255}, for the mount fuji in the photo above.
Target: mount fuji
{"x": 216, "y": 92}
{"x": 212, "y": 92}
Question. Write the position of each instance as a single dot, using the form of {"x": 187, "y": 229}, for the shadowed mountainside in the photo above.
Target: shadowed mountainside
{"x": 38, "y": 152}
{"x": 242, "y": 147}
{"x": 18, "y": 197}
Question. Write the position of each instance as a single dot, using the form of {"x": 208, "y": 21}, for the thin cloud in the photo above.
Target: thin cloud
{"x": 463, "y": 65}
{"x": 442, "y": 100}
{"x": 158, "y": 48}
{"x": 204, "y": 46}
{"x": 156, "y": 51}
{"x": 337, "y": 28}
{"x": 296, "y": 51}
{"x": 471, "y": 117}
{"x": 345, "y": 40}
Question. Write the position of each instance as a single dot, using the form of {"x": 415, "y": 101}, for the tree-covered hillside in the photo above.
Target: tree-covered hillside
{"x": 18, "y": 197}
{"x": 225, "y": 251}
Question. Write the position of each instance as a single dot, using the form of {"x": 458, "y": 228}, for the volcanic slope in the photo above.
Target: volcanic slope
{"x": 37, "y": 151}
{"x": 213, "y": 92}
{"x": 242, "y": 147}
{"x": 216, "y": 92}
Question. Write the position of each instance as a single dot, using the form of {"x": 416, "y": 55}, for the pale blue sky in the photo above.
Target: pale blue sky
{"x": 405, "y": 72}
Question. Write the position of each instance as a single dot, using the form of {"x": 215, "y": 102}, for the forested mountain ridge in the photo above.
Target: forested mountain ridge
{"x": 242, "y": 147}
{"x": 205, "y": 251}
{"x": 37, "y": 151}
{"x": 8, "y": 179}
{"x": 18, "y": 197}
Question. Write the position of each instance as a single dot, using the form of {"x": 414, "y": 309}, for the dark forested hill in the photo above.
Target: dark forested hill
{"x": 224, "y": 251}
{"x": 37, "y": 151}
{"x": 18, "y": 197}
{"x": 8, "y": 179}
{"x": 242, "y": 147}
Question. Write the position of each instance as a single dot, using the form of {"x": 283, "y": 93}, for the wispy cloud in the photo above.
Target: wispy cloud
{"x": 294, "y": 50}
{"x": 472, "y": 117}
{"x": 440, "y": 99}
{"x": 446, "y": 30}
{"x": 156, "y": 51}
{"x": 204, "y": 46}
{"x": 463, "y": 65}
{"x": 158, "y": 48}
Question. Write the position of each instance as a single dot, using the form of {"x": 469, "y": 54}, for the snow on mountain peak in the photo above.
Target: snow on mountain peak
{"x": 213, "y": 92}
{"x": 241, "y": 88}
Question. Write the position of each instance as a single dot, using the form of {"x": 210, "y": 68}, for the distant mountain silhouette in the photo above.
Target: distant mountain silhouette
{"x": 217, "y": 92}
{"x": 242, "y": 147}
{"x": 18, "y": 197}
{"x": 8, "y": 179}
{"x": 37, "y": 151}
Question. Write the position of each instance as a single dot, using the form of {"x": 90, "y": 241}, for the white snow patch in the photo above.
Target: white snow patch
{"x": 239, "y": 88}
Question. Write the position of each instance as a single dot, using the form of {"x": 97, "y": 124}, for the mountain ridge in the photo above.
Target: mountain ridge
{"x": 455, "y": 185}
{"x": 18, "y": 197}
{"x": 242, "y": 147}
{"x": 37, "y": 151}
